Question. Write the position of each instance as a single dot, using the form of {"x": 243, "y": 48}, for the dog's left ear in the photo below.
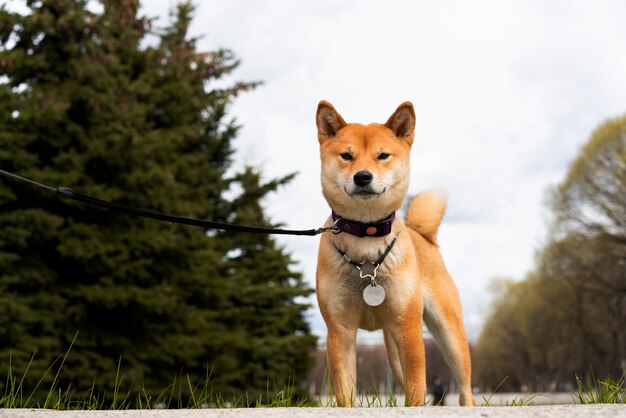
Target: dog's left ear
{"x": 402, "y": 122}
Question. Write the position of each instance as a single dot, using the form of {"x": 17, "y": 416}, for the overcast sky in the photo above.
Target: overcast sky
{"x": 505, "y": 95}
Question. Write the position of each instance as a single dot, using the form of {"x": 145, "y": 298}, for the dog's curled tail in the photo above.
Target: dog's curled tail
{"x": 425, "y": 213}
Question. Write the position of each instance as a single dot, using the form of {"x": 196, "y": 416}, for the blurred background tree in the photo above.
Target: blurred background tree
{"x": 99, "y": 100}
{"x": 569, "y": 315}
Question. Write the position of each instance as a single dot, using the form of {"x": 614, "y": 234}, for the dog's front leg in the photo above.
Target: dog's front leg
{"x": 341, "y": 349}
{"x": 412, "y": 357}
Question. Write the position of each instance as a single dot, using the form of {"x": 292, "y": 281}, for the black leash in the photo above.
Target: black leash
{"x": 67, "y": 193}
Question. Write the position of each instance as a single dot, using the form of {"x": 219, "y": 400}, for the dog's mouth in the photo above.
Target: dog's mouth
{"x": 365, "y": 194}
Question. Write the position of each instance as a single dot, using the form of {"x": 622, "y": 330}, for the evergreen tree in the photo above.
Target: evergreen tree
{"x": 83, "y": 104}
{"x": 269, "y": 301}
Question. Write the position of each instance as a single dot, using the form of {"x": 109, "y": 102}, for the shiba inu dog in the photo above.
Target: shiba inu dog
{"x": 378, "y": 271}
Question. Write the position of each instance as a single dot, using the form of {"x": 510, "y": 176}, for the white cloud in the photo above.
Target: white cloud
{"x": 505, "y": 94}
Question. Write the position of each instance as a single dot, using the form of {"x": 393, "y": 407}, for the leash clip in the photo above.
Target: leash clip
{"x": 334, "y": 229}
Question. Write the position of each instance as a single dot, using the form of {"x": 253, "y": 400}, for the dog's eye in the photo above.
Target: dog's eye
{"x": 383, "y": 156}
{"x": 346, "y": 156}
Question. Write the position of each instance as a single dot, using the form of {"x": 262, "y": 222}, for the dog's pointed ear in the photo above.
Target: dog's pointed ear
{"x": 402, "y": 122}
{"x": 328, "y": 120}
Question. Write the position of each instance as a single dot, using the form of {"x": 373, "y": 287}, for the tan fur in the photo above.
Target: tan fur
{"x": 417, "y": 284}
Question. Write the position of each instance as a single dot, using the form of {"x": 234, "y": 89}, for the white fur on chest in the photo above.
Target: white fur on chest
{"x": 348, "y": 290}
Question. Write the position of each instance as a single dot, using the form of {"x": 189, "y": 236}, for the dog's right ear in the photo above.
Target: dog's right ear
{"x": 329, "y": 121}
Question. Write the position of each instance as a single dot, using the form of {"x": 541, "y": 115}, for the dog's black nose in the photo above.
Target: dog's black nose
{"x": 363, "y": 178}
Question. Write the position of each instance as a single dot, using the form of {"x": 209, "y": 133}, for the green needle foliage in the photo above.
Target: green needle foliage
{"x": 103, "y": 102}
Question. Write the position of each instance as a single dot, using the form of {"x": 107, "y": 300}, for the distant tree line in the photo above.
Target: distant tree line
{"x": 101, "y": 100}
{"x": 568, "y": 316}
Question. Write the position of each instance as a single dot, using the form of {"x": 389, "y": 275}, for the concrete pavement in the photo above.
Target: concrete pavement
{"x": 541, "y": 411}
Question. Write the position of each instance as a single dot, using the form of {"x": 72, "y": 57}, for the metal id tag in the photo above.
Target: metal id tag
{"x": 373, "y": 295}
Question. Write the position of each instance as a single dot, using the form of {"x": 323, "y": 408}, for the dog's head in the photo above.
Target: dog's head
{"x": 365, "y": 168}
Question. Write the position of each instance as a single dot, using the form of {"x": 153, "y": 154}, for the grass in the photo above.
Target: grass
{"x": 594, "y": 391}
{"x": 200, "y": 395}
{"x": 203, "y": 395}
{"x": 371, "y": 399}
{"x": 600, "y": 391}
{"x": 526, "y": 400}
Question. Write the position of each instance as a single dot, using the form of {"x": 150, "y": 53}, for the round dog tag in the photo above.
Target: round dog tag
{"x": 374, "y": 295}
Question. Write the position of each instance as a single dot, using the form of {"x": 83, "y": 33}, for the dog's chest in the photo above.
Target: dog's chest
{"x": 342, "y": 286}
{"x": 350, "y": 291}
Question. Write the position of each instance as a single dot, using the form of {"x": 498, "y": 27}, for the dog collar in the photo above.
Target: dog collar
{"x": 359, "y": 229}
